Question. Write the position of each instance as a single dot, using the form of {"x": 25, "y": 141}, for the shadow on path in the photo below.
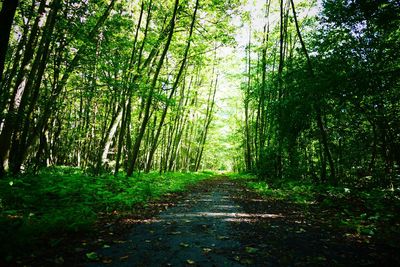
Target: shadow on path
{"x": 221, "y": 223}
{"x": 197, "y": 231}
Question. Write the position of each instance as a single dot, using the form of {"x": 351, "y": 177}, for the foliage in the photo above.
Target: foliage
{"x": 111, "y": 85}
{"x": 322, "y": 93}
{"x": 64, "y": 200}
{"x": 371, "y": 213}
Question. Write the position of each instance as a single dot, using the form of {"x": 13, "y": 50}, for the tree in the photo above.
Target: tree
{"x": 6, "y": 18}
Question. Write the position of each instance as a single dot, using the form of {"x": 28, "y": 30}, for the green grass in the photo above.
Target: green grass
{"x": 64, "y": 200}
{"x": 364, "y": 212}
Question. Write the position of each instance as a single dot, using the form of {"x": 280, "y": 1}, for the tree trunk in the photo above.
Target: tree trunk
{"x": 110, "y": 137}
{"x": 11, "y": 121}
{"x": 174, "y": 87}
{"x": 211, "y": 102}
{"x": 320, "y": 123}
{"x": 31, "y": 92}
{"x": 6, "y": 19}
{"x": 146, "y": 116}
{"x": 50, "y": 106}
{"x": 247, "y": 153}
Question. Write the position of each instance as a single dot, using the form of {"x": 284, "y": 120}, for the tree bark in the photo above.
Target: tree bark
{"x": 7, "y": 14}
{"x": 30, "y": 93}
{"x": 110, "y": 136}
{"x": 211, "y": 102}
{"x": 12, "y": 121}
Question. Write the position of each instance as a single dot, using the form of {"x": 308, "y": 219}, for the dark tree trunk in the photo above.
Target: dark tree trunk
{"x": 6, "y": 19}
{"x": 320, "y": 122}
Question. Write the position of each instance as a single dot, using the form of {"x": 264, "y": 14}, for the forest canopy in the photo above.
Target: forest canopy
{"x": 321, "y": 93}
{"x": 109, "y": 85}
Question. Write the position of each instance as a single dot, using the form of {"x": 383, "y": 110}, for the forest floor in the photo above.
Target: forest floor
{"x": 221, "y": 222}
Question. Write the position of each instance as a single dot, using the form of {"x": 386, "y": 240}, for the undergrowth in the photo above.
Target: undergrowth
{"x": 64, "y": 200}
{"x": 369, "y": 213}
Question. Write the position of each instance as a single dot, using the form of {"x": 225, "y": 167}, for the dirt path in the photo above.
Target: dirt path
{"x": 223, "y": 224}
{"x": 195, "y": 231}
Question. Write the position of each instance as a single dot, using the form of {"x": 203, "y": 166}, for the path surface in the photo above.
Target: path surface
{"x": 223, "y": 224}
{"x": 196, "y": 231}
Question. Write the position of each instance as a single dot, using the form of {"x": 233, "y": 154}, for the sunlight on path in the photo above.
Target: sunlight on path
{"x": 195, "y": 231}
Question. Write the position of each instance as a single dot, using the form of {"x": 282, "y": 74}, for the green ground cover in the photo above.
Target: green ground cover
{"x": 364, "y": 212}
{"x": 65, "y": 200}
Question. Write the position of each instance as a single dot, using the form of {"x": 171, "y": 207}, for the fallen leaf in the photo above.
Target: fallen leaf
{"x": 246, "y": 261}
{"x": 251, "y": 250}
{"x": 175, "y": 233}
{"x": 124, "y": 258}
{"x": 92, "y": 256}
{"x": 106, "y": 261}
{"x": 321, "y": 258}
{"x": 59, "y": 260}
{"x": 191, "y": 262}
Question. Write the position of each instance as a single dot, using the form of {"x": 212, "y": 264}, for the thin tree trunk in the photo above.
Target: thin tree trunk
{"x": 174, "y": 87}
{"x": 110, "y": 136}
{"x": 127, "y": 104}
{"x": 246, "y": 110}
{"x": 49, "y": 108}
{"x": 261, "y": 108}
{"x": 320, "y": 123}
{"x": 146, "y": 116}
{"x": 207, "y": 126}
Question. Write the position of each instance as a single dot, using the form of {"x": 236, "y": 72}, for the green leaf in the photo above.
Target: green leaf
{"x": 190, "y": 262}
{"x": 92, "y": 256}
{"x": 185, "y": 245}
{"x": 251, "y": 250}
